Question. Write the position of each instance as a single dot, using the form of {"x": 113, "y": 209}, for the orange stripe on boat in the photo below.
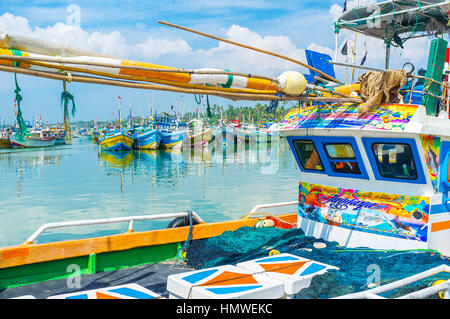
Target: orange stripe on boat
{"x": 284, "y": 268}
{"x": 231, "y": 278}
{"x": 34, "y": 253}
{"x": 440, "y": 226}
{"x": 14, "y": 253}
{"x": 101, "y": 295}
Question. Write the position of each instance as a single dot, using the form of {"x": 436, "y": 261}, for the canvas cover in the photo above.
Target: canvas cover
{"x": 381, "y": 87}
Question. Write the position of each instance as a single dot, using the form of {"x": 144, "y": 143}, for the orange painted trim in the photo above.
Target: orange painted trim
{"x": 33, "y": 253}
{"x": 440, "y": 226}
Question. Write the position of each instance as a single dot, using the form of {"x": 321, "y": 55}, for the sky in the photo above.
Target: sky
{"x": 129, "y": 30}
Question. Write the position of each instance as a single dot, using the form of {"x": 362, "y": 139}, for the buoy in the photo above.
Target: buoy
{"x": 265, "y": 223}
{"x": 274, "y": 252}
{"x": 442, "y": 293}
{"x": 319, "y": 245}
{"x": 291, "y": 82}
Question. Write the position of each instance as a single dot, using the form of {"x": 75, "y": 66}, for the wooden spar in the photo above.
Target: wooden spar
{"x": 330, "y": 78}
{"x": 171, "y": 83}
{"x": 130, "y": 67}
{"x": 146, "y": 79}
{"x": 31, "y": 60}
{"x": 129, "y": 84}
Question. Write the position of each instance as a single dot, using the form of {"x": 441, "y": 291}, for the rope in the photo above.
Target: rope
{"x": 23, "y": 130}
{"x": 182, "y": 251}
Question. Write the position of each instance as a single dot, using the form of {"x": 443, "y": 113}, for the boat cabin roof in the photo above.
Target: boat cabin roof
{"x": 401, "y": 118}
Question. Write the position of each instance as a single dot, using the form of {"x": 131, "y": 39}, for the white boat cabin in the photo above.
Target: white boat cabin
{"x": 380, "y": 181}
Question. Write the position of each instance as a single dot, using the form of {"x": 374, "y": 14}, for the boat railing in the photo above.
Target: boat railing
{"x": 374, "y": 293}
{"x": 129, "y": 219}
{"x": 271, "y": 205}
{"x": 444, "y": 97}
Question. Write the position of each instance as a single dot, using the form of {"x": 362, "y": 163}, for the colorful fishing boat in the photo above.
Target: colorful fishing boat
{"x": 172, "y": 140}
{"x": 116, "y": 141}
{"x": 398, "y": 155}
{"x": 36, "y": 138}
{"x": 147, "y": 139}
{"x": 198, "y": 139}
{"x": 5, "y": 142}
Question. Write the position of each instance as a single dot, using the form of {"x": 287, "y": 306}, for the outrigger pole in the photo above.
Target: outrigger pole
{"x": 330, "y": 78}
{"x": 51, "y": 61}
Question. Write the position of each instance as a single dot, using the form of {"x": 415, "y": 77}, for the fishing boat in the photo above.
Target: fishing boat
{"x": 376, "y": 179}
{"x": 35, "y": 138}
{"x": 5, "y": 142}
{"x": 147, "y": 139}
{"x": 366, "y": 180}
{"x": 197, "y": 139}
{"x": 172, "y": 140}
{"x": 60, "y": 136}
{"x": 116, "y": 141}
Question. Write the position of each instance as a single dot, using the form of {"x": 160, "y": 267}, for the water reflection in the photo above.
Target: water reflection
{"x": 80, "y": 182}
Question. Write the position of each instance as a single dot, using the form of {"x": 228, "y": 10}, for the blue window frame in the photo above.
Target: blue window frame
{"x": 394, "y": 159}
{"x": 339, "y": 156}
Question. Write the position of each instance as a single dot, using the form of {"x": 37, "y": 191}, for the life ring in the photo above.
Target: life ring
{"x": 182, "y": 222}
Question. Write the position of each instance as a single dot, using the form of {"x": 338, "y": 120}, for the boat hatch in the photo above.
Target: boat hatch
{"x": 391, "y": 159}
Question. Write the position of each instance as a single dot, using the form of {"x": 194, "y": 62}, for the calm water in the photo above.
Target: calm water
{"x": 75, "y": 182}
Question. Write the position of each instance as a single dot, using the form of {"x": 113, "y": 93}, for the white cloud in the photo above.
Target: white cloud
{"x": 153, "y": 48}
{"x": 175, "y": 52}
{"x": 112, "y": 44}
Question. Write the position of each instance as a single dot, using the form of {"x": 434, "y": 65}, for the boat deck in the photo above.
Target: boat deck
{"x": 152, "y": 277}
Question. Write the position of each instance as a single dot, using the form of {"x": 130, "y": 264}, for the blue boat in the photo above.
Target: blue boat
{"x": 147, "y": 140}
{"x": 172, "y": 139}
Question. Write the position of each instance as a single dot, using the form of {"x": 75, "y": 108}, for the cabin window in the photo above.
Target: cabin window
{"x": 342, "y": 158}
{"x": 395, "y": 160}
{"x": 308, "y": 156}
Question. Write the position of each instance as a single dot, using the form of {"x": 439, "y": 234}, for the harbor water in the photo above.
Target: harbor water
{"x": 79, "y": 182}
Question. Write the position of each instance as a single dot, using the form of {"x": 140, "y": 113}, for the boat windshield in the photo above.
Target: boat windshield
{"x": 308, "y": 156}
{"x": 395, "y": 160}
{"x": 342, "y": 158}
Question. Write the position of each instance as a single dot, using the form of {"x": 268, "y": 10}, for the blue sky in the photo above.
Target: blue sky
{"x": 129, "y": 30}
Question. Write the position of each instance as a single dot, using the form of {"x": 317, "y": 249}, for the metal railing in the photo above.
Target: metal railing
{"x": 281, "y": 204}
{"x": 419, "y": 294}
{"x": 129, "y": 219}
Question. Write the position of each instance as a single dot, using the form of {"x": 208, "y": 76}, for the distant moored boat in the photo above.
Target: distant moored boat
{"x": 116, "y": 141}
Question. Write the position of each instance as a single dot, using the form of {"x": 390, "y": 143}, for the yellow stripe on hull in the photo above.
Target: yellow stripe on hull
{"x": 111, "y": 142}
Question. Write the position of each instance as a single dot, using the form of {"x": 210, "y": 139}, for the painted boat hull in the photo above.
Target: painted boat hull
{"x": 172, "y": 140}
{"x": 118, "y": 142}
{"x": 198, "y": 140}
{"x": 5, "y": 143}
{"x": 32, "y": 142}
{"x": 148, "y": 140}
